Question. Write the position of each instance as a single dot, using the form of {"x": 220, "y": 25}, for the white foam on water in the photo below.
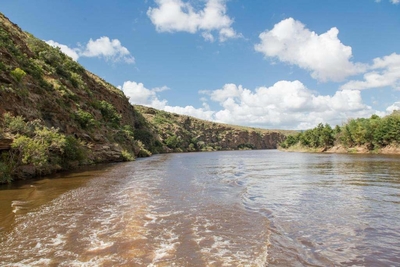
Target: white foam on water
{"x": 58, "y": 240}
{"x": 97, "y": 243}
{"x": 225, "y": 249}
{"x": 18, "y": 205}
{"x": 95, "y": 261}
{"x": 40, "y": 262}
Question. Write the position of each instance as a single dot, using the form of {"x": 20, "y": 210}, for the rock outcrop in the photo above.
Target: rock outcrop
{"x": 191, "y": 134}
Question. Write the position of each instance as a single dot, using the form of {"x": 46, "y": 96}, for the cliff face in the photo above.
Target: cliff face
{"x": 185, "y": 133}
{"x": 42, "y": 89}
{"x": 55, "y": 115}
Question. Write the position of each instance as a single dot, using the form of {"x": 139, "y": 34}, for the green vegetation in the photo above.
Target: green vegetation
{"x": 373, "y": 133}
{"x": 109, "y": 113}
{"x": 172, "y": 141}
{"x": 18, "y": 74}
{"x": 183, "y": 133}
{"x": 35, "y": 145}
{"x": 245, "y": 146}
{"x": 127, "y": 156}
{"x": 85, "y": 119}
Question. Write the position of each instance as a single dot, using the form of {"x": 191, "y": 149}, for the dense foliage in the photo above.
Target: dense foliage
{"x": 36, "y": 145}
{"x": 374, "y": 133}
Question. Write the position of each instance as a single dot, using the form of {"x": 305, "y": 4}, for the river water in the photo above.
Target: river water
{"x": 239, "y": 208}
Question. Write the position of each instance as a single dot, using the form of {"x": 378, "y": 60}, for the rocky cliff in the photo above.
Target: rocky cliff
{"x": 184, "y": 133}
{"x": 55, "y": 115}
{"x": 51, "y": 105}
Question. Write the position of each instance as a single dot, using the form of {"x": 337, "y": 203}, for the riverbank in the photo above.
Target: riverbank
{"x": 387, "y": 150}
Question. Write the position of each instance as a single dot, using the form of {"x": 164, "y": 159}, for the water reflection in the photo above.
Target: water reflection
{"x": 247, "y": 208}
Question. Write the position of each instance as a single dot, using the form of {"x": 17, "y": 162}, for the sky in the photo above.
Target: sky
{"x": 274, "y": 64}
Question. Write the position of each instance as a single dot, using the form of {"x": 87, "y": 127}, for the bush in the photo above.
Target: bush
{"x": 127, "y": 156}
{"x": 5, "y": 169}
{"x": 172, "y": 141}
{"x": 141, "y": 150}
{"x": 109, "y": 113}
{"x": 13, "y": 124}
{"x": 18, "y": 74}
{"x": 46, "y": 146}
{"x": 85, "y": 119}
{"x": 73, "y": 149}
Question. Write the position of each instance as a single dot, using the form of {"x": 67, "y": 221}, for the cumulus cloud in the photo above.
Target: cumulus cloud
{"x": 393, "y": 107}
{"x": 284, "y": 105}
{"x": 140, "y": 95}
{"x": 179, "y": 16}
{"x": 108, "y": 49}
{"x": 102, "y": 47}
{"x": 383, "y": 72}
{"x": 71, "y": 52}
{"x": 323, "y": 55}
{"x": 201, "y": 113}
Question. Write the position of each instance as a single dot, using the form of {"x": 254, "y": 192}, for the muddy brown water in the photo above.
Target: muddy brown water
{"x": 239, "y": 208}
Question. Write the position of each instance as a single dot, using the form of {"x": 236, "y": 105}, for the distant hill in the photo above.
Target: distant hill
{"x": 185, "y": 133}
{"x": 55, "y": 115}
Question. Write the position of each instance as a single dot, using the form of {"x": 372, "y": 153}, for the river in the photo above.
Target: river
{"x": 236, "y": 208}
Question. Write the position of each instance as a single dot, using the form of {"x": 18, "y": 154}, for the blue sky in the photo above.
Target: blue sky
{"x": 274, "y": 64}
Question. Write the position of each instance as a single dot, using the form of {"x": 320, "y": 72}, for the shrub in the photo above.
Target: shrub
{"x": 76, "y": 80}
{"x": 141, "y": 150}
{"x": 109, "y": 113}
{"x": 85, "y": 119}
{"x": 127, "y": 156}
{"x": 14, "y": 124}
{"x": 172, "y": 141}
{"x": 73, "y": 149}
{"x": 38, "y": 150}
{"x": 5, "y": 169}
{"x": 18, "y": 74}
{"x": 31, "y": 151}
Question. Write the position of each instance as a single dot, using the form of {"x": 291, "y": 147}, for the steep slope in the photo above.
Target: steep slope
{"x": 55, "y": 115}
{"x": 184, "y": 133}
{"x": 51, "y": 104}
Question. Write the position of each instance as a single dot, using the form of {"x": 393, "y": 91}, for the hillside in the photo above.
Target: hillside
{"x": 184, "y": 133}
{"x": 55, "y": 115}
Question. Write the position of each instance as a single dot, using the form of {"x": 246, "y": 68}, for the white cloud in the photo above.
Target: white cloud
{"x": 384, "y": 72}
{"x": 102, "y": 48}
{"x": 324, "y": 55}
{"x": 140, "y": 95}
{"x": 284, "y": 105}
{"x": 201, "y": 113}
{"x": 73, "y": 53}
{"x": 179, "y": 16}
{"x": 208, "y": 36}
{"x": 394, "y": 106}
{"x": 109, "y": 49}
{"x": 287, "y": 105}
